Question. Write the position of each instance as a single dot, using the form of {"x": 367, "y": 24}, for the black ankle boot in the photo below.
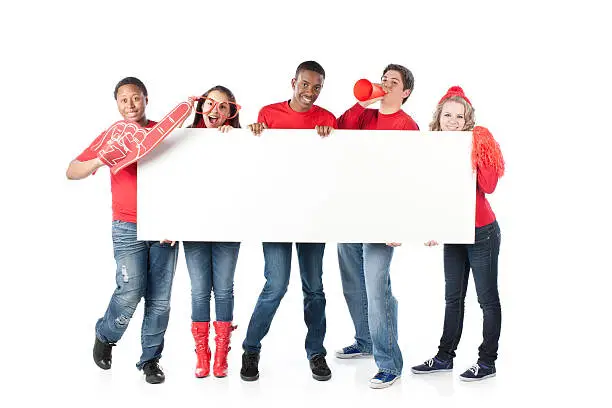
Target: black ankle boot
{"x": 153, "y": 372}
{"x": 319, "y": 368}
{"x": 102, "y": 354}
{"x": 250, "y": 369}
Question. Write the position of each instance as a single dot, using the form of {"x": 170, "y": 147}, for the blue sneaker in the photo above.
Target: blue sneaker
{"x": 433, "y": 365}
{"x": 383, "y": 380}
{"x": 352, "y": 351}
{"x": 478, "y": 372}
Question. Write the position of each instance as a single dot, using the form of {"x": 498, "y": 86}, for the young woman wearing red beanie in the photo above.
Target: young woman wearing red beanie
{"x": 455, "y": 113}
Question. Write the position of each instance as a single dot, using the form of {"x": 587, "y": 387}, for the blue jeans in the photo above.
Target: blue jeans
{"x": 211, "y": 267}
{"x": 350, "y": 260}
{"x": 481, "y": 257}
{"x": 277, "y": 269}
{"x": 144, "y": 269}
{"x": 382, "y": 308}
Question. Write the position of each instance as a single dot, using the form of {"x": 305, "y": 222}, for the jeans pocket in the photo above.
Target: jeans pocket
{"x": 485, "y": 233}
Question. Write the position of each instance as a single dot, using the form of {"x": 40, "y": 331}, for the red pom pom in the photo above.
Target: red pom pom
{"x": 486, "y": 151}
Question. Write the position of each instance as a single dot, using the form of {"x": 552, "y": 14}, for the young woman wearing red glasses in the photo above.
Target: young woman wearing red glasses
{"x": 211, "y": 265}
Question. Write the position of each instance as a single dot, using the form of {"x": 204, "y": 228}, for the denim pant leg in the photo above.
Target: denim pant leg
{"x": 382, "y": 308}
{"x": 310, "y": 257}
{"x": 131, "y": 257}
{"x": 224, "y": 258}
{"x": 456, "y": 276}
{"x": 350, "y": 260}
{"x": 162, "y": 264}
{"x": 483, "y": 259}
{"x": 198, "y": 257}
{"x": 277, "y": 269}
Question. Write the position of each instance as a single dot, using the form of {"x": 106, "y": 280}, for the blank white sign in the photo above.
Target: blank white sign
{"x": 293, "y": 186}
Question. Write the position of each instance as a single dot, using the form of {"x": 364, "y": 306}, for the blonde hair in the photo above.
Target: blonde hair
{"x": 469, "y": 114}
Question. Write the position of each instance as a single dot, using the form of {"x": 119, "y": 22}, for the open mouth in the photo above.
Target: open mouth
{"x": 213, "y": 120}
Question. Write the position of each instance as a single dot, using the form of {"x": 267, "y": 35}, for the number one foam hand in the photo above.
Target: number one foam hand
{"x": 127, "y": 142}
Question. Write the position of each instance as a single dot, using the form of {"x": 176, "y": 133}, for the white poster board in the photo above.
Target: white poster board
{"x": 293, "y": 186}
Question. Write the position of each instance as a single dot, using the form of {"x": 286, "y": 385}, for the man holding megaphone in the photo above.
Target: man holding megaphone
{"x": 364, "y": 268}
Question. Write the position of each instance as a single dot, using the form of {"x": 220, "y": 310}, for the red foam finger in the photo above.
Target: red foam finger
{"x": 118, "y": 141}
{"x": 138, "y": 148}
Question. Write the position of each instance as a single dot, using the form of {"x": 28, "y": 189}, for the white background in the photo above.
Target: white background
{"x": 537, "y": 73}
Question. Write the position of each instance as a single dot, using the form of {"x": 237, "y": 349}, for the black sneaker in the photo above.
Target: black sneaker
{"x": 153, "y": 372}
{"x": 320, "y": 370}
{"x": 433, "y": 365}
{"x": 478, "y": 372}
{"x": 249, "y": 370}
{"x": 103, "y": 354}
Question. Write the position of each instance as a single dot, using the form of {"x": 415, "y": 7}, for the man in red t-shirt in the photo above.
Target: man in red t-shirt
{"x": 364, "y": 268}
{"x": 144, "y": 268}
{"x": 297, "y": 113}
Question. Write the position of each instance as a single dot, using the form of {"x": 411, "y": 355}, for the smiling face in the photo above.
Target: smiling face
{"x": 306, "y": 89}
{"x": 131, "y": 103}
{"x": 217, "y": 109}
{"x": 452, "y": 116}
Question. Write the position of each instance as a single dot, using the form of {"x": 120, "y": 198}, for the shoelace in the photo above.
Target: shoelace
{"x": 352, "y": 348}
{"x": 319, "y": 362}
{"x": 251, "y": 360}
{"x": 381, "y": 376}
{"x": 475, "y": 368}
{"x": 153, "y": 368}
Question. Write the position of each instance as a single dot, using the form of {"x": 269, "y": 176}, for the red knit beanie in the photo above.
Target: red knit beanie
{"x": 455, "y": 91}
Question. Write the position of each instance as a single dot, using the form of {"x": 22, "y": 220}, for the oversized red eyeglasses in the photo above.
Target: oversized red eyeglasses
{"x": 227, "y": 109}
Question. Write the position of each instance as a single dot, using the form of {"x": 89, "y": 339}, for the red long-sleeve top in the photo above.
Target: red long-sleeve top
{"x": 358, "y": 117}
{"x": 486, "y": 182}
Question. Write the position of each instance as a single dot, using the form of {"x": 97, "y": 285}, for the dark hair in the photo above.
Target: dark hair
{"x": 310, "y": 66}
{"x": 234, "y": 122}
{"x": 407, "y": 77}
{"x": 131, "y": 81}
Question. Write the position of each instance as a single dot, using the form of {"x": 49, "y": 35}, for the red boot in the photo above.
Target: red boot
{"x": 200, "y": 335}
{"x": 222, "y": 340}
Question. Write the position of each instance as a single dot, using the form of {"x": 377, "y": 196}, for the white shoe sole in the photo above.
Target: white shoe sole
{"x": 445, "y": 370}
{"x": 350, "y": 356}
{"x": 476, "y": 379}
{"x": 380, "y": 385}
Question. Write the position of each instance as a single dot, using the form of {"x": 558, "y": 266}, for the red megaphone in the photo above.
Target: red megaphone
{"x": 365, "y": 90}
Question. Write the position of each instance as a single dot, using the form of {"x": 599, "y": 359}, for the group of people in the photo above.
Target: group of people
{"x": 145, "y": 269}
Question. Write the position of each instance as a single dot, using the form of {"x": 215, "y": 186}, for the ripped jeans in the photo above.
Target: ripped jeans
{"x": 144, "y": 269}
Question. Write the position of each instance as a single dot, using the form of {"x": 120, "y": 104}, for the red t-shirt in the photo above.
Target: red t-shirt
{"x": 359, "y": 117}
{"x": 281, "y": 116}
{"x": 123, "y": 184}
